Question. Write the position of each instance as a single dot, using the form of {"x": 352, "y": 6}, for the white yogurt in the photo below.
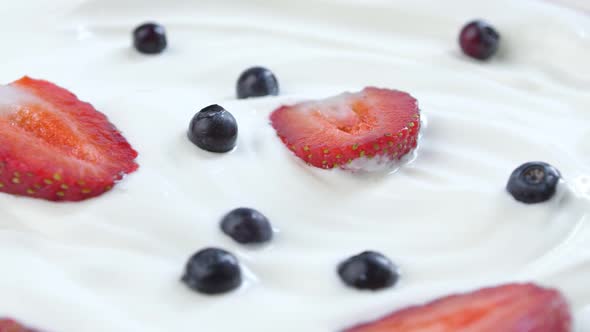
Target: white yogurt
{"x": 113, "y": 263}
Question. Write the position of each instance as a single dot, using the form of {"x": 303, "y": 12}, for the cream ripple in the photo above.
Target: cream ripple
{"x": 445, "y": 218}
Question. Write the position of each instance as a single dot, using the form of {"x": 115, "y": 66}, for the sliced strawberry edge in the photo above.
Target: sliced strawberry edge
{"x": 551, "y": 310}
{"x": 11, "y": 325}
{"x": 392, "y": 144}
{"x": 67, "y": 178}
{"x": 94, "y": 127}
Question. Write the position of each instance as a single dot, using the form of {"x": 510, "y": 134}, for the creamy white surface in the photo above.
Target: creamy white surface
{"x": 113, "y": 263}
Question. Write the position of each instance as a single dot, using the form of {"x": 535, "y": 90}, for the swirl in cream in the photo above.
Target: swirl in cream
{"x": 113, "y": 263}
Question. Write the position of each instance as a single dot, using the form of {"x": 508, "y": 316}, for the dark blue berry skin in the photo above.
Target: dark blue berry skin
{"x": 150, "y": 38}
{"x": 212, "y": 271}
{"x": 257, "y": 82}
{"x": 214, "y": 129}
{"x": 533, "y": 182}
{"x": 368, "y": 270}
{"x": 479, "y": 40}
{"x": 247, "y": 226}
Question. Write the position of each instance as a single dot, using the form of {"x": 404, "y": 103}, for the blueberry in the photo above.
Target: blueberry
{"x": 479, "y": 40}
{"x": 212, "y": 271}
{"x": 150, "y": 38}
{"x": 247, "y": 226}
{"x": 257, "y": 82}
{"x": 368, "y": 270}
{"x": 213, "y": 129}
{"x": 533, "y": 182}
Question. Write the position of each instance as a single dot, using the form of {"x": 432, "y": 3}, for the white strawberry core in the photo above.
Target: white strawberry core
{"x": 12, "y": 99}
{"x": 337, "y": 110}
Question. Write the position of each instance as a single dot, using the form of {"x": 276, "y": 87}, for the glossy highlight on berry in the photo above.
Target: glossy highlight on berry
{"x": 150, "y": 38}
{"x": 212, "y": 271}
{"x": 533, "y": 182}
{"x": 214, "y": 129}
{"x": 479, "y": 40}
{"x": 257, "y": 82}
{"x": 368, "y": 270}
{"x": 247, "y": 226}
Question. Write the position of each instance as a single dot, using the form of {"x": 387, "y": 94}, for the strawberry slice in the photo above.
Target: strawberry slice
{"x": 508, "y": 308}
{"x": 335, "y": 131}
{"x": 56, "y": 147}
{"x": 9, "y": 325}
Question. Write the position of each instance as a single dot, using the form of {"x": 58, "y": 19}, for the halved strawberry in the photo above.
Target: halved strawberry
{"x": 56, "y": 147}
{"x": 335, "y": 131}
{"x": 9, "y": 325}
{"x": 507, "y": 308}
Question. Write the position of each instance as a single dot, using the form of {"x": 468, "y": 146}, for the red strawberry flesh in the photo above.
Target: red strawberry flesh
{"x": 335, "y": 131}
{"x": 507, "y": 308}
{"x": 9, "y": 325}
{"x": 55, "y": 146}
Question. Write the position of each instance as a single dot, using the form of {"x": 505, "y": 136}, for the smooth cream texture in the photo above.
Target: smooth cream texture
{"x": 114, "y": 263}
